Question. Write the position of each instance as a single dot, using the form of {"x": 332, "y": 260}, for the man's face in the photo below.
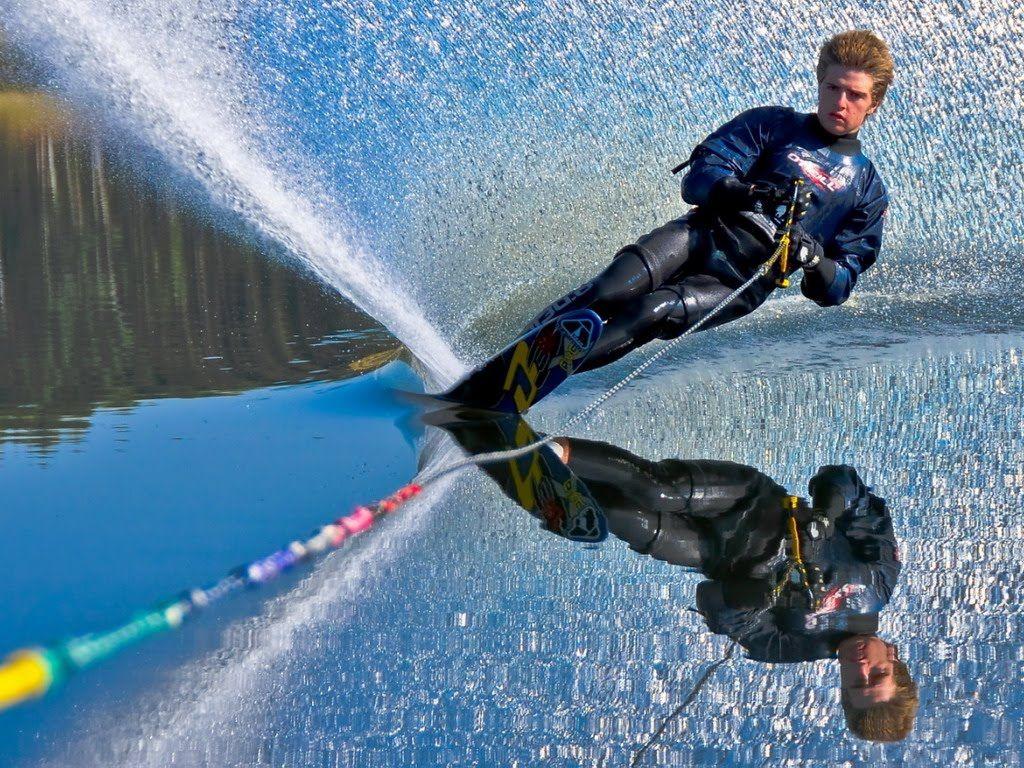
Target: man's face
{"x": 865, "y": 670}
{"x": 844, "y": 99}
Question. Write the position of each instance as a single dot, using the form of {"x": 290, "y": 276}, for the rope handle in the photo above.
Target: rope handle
{"x": 787, "y": 231}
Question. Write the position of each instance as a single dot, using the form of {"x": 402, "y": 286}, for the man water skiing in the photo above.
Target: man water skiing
{"x": 739, "y": 179}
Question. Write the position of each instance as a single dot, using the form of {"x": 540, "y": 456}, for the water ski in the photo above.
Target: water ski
{"x": 539, "y": 482}
{"x": 531, "y": 367}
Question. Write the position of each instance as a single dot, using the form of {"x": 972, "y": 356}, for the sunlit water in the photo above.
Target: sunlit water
{"x": 481, "y": 639}
{"x": 455, "y": 165}
{"x": 448, "y": 170}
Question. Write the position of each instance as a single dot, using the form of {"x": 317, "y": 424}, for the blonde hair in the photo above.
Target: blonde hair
{"x": 891, "y": 720}
{"x": 860, "y": 49}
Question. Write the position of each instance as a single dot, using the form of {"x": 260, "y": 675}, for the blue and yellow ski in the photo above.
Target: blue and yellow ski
{"x": 539, "y": 482}
{"x": 530, "y": 368}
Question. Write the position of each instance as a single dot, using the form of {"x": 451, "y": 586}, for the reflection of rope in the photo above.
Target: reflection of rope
{"x": 795, "y": 560}
{"x": 32, "y": 672}
{"x": 686, "y": 702}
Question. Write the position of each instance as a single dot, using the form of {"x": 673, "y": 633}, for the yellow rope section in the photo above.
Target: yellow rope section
{"x": 24, "y": 675}
{"x": 794, "y": 541}
{"x": 796, "y": 559}
{"x": 783, "y": 250}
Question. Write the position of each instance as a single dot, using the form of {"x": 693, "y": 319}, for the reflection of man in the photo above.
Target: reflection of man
{"x": 788, "y": 580}
{"x": 879, "y": 697}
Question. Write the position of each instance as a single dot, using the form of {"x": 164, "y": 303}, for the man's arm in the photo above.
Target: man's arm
{"x": 853, "y": 249}
{"x": 730, "y": 152}
{"x": 755, "y": 626}
{"x": 863, "y": 519}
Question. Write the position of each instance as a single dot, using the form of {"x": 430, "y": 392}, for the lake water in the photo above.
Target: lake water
{"x": 199, "y": 356}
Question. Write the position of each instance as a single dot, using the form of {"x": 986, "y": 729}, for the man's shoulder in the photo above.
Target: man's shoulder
{"x": 771, "y": 113}
{"x": 874, "y": 184}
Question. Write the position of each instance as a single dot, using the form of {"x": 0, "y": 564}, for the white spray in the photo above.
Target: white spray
{"x": 167, "y": 69}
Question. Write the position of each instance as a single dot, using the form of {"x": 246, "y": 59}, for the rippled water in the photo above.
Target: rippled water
{"x": 447, "y": 170}
{"x": 483, "y": 639}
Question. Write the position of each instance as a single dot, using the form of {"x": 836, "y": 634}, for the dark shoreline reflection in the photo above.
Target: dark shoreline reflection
{"x": 113, "y": 291}
{"x": 788, "y": 579}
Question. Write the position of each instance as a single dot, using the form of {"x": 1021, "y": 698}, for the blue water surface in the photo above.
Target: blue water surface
{"x": 172, "y": 494}
{"x": 493, "y": 157}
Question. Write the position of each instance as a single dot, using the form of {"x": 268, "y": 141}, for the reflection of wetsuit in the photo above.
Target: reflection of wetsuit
{"x": 672, "y": 277}
{"x": 728, "y": 521}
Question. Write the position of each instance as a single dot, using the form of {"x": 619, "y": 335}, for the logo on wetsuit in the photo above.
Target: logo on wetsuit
{"x": 817, "y": 175}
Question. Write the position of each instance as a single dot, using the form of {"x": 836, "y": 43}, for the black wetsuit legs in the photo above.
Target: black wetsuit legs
{"x": 666, "y": 313}
{"x": 646, "y": 503}
{"x": 633, "y": 325}
{"x": 636, "y": 269}
{"x": 623, "y": 280}
{"x": 655, "y": 288}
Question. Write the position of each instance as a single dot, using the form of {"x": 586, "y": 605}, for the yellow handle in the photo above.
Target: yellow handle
{"x": 794, "y": 540}
{"x": 782, "y": 281}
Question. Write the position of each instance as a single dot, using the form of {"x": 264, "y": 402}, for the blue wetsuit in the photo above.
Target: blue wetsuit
{"x": 776, "y": 144}
{"x": 673, "y": 276}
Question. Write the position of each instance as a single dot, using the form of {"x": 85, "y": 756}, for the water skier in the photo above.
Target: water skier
{"x": 739, "y": 179}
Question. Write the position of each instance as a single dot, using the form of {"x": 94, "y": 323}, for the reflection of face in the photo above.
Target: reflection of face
{"x": 844, "y": 99}
{"x": 865, "y": 670}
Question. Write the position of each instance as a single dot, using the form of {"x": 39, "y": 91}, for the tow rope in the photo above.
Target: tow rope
{"x": 32, "y": 672}
{"x": 656, "y": 736}
{"x": 796, "y": 569}
{"x": 784, "y": 239}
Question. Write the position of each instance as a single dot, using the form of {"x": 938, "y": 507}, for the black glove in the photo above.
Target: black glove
{"x": 769, "y": 196}
{"x": 808, "y": 254}
{"x": 731, "y": 194}
{"x": 804, "y": 250}
{"x": 772, "y": 197}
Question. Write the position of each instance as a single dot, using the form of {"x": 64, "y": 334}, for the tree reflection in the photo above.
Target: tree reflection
{"x": 113, "y": 290}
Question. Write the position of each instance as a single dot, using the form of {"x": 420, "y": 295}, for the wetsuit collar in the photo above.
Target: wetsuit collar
{"x": 844, "y": 145}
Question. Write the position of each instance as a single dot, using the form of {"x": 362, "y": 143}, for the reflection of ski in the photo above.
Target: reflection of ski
{"x": 566, "y": 507}
{"x": 531, "y": 367}
{"x": 539, "y": 482}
